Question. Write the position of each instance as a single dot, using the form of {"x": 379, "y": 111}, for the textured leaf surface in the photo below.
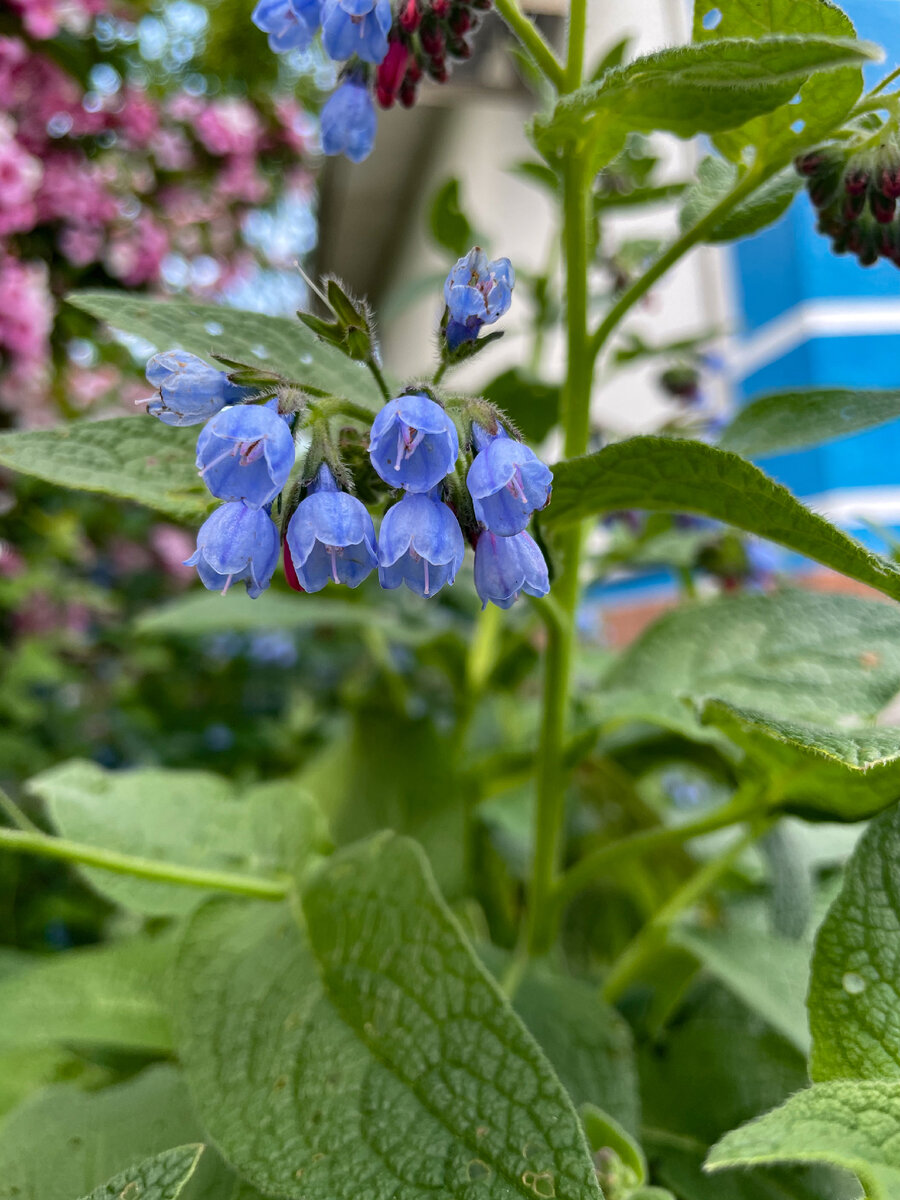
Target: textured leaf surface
{"x": 271, "y": 343}
{"x": 136, "y": 458}
{"x": 161, "y": 1177}
{"x": 715, "y": 178}
{"x": 851, "y": 1125}
{"x": 191, "y": 818}
{"x": 790, "y": 420}
{"x": 677, "y": 475}
{"x": 64, "y": 1142}
{"x": 854, "y": 997}
{"x": 109, "y": 995}
{"x": 399, "y": 1071}
{"x": 586, "y": 1040}
{"x": 825, "y": 659}
{"x": 688, "y": 90}
{"x": 847, "y": 774}
{"x": 824, "y": 100}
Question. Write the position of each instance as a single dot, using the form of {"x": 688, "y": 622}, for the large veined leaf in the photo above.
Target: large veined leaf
{"x": 271, "y": 343}
{"x": 162, "y": 1177}
{"x": 814, "y": 770}
{"x": 854, "y": 996}
{"x": 688, "y": 90}
{"x": 106, "y": 995}
{"x": 136, "y": 458}
{"x": 823, "y": 659}
{"x": 64, "y": 1142}
{"x": 678, "y": 475}
{"x": 377, "y": 1057}
{"x": 823, "y": 100}
{"x": 189, "y": 818}
{"x": 715, "y": 178}
{"x": 786, "y": 421}
{"x": 852, "y": 1125}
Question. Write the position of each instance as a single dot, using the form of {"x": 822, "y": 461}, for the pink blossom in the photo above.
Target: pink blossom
{"x": 172, "y": 546}
{"x": 81, "y": 244}
{"x": 229, "y": 126}
{"x": 39, "y": 17}
{"x": 172, "y": 150}
{"x": 73, "y": 190}
{"x": 20, "y": 174}
{"x": 138, "y": 118}
{"x": 26, "y": 310}
{"x": 240, "y": 180}
{"x": 134, "y": 254}
{"x": 299, "y": 128}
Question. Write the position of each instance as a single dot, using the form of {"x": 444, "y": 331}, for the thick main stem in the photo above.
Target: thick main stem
{"x": 551, "y": 769}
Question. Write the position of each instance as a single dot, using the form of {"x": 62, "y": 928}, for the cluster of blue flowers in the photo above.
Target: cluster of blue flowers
{"x": 246, "y": 453}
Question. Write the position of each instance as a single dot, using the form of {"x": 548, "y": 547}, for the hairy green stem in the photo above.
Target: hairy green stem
{"x": 337, "y": 406}
{"x": 652, "y": 938}
{"x": 740, "y": 808}
{"x": 379, "y": 377}
{"x": 45, "y": 846}
{"x": 531, "y": 39}
{"x": 744, "y": 187}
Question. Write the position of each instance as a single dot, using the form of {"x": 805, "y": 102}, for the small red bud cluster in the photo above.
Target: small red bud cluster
{"x": 856, "y": 195}
{"x": 426, "y": 36}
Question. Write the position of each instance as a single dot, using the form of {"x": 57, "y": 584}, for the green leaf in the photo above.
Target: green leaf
{"x": 715, "y": 179}
{"x": 688, "y": 90}
{"x": 63, "y": 1142}
{"x": 677, "y": 475}
{"x": 449, "y": 225}
{"x": 815, "y": 770}
{"x": 854, "y": 996}
{"x": 274, "y": 343}
{"x": 793, "y": 654}
{"x": 586, "y": 1040}
{"x": 106, "y": 995}
{"x": 769, "y": 973}
{"x": 783, "y": 421}
{"x": 162, "y": 1177}
{"x": 824, "y": 100}
{"x": 136, "y": 458}
{"x": 379, "y": 1058}
{"x": 190, "y": 818}
{"x": 23, "y": 1072}
{"x": 604, "y": 1133}
{"x": 854, "y": 1126}
{"x": 532, "y": 405}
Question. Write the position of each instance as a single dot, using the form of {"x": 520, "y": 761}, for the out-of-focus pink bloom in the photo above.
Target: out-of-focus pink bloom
{"x": 20, "y": 174}
{"x": 11, "y": 561}
{"x": 86, "y": 385}
{"x": 240, "y": 180}
{"x": 40, "y": 17}
{"x": 134, "y": 254}
{"x": 299, "y": 128}
{"x": 172, "y": 546}
{"x": 184, "y": 107}
{"x": 138, "y": 118}
{"x": 81, "y": 244}
{"x": 172, "y": 150}
{"x": 73, "y": 190}
{"x": 229, "y": 126}
{"x": 26, "y": 310}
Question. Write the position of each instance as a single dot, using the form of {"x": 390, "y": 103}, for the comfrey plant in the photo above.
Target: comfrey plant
{"x": 245, "y": 456}
{"x": 477, "y": 943}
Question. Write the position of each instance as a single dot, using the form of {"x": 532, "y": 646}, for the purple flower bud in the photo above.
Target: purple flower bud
{"x": 420, "y": 544}
{"x": 190, "y": 391}
{"x": 246, "y": 454}
{"x": 357, "y": 27}
{"x": 236, "y": 543}
{"x": 290, "y": 24}
{"x": 331, "y": 537}
{"x": 413, "y": 443}
{"x": 507, "y": 482}
{"x": 348, "y": 121}
{"x": 506, "y": 566}
{"x": 476, "y": 292}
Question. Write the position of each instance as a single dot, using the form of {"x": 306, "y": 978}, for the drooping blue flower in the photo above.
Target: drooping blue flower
{"x": 190, "y": 391}
{"x": 413, "y": 443}
{"x": 348, "y": 121}
{"x": 331, "y": 537}
{"x": 357, "y": 27}
{"x": 290, "y": 24}
{"x": 420, "y": 544}
{"x": 476, "y": 292}
{"x": 506, "y": 566}
{"x": 246, "y": 454}
{"x": 507, "y": 482}
{"x": 236, "y": 543}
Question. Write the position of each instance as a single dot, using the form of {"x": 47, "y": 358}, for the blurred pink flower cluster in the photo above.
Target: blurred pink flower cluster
{"x": 116, "y": 182}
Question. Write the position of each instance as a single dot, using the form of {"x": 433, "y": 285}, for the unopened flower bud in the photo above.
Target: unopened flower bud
{"x": 890, "y": 181}
{"x": 410, "y": 17}
{"x": 856, "y": 181}
{"x": 440, "y": 8}
{"x": 882, "y": 207}
{"x": 391, "y": 73}
{"x": 438, "y": 70}
{"x": 459, "y": 48}
{"x": 432, "y": 38}
{"x": 408, "y": 92}
{"x": 461, "y": 21}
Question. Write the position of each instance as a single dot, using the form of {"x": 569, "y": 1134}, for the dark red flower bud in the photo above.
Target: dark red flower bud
{"x": 882, "y": 207}
{"x": 408, "y": 92}
{"x": 484, "y": 5}
{"x": 459, "y": 48}
{"x": 289, "y": 572}
{"x": 440, "y": 8}
{"x": 890, "y": 181}
{"x": 821, "y": 191}
{"x": 413, "y": 72}
{"x": 461, "y": 21}
{"x": 856, "y": 181}
{"x": 438, "y": 70}
{"x": 854, "y": 204}
{"x": 391, "y": 73}
{"x": 809, "y": 164}
{"x": 410, "y": 16}
{"x": 432, "y": 38}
